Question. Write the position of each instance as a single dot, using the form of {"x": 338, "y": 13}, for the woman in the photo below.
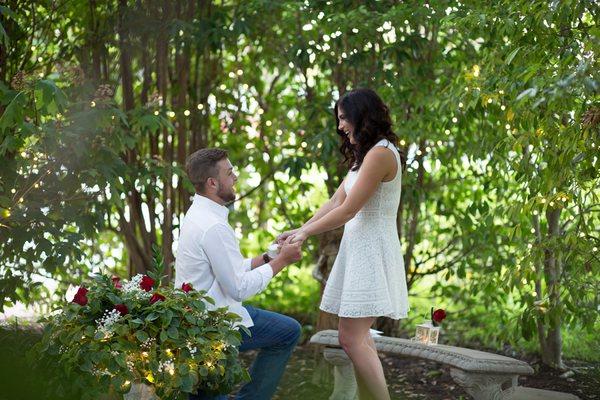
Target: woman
{"x": 367, "y": 279}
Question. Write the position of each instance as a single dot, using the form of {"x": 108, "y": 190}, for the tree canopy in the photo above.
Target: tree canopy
{"x": 495, "y": 103}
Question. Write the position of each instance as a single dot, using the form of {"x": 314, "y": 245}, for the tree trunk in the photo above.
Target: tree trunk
{"x": 140, "y": 245}
{"x": 95, "y": 45}
{"x": 551, "y": 343}
{"x": 162, "y": 76}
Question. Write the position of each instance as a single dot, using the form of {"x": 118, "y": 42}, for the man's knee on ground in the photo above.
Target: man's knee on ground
{"x": 295, "y": 330}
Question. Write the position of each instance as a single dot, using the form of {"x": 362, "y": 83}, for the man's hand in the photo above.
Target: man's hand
{"x": 289, "y": 254}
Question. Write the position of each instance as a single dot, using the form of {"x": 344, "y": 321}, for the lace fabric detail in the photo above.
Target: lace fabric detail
{"x": 368, "y": 278}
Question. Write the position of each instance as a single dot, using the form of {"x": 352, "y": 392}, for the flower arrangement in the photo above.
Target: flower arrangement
{"x": 117, "y": 333}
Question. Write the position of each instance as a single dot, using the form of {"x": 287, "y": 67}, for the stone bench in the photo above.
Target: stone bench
{"x": 485, "y": 376}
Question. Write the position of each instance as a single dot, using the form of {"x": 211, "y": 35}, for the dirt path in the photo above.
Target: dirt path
{"x": 411, "y": 378}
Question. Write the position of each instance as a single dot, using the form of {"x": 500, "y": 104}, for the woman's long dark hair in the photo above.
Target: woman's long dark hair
{"x": 365, "y": 110}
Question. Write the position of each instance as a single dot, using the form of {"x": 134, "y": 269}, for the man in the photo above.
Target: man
{"x": 208, "y": 256}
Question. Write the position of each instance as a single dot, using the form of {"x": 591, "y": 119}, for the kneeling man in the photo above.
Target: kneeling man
{"x": 208, "y": 256}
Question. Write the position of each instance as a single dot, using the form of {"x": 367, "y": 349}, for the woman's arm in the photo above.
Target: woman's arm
{"x": 377, "y": 164}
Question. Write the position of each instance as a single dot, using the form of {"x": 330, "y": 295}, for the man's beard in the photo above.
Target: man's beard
{"x": 226, "y": 196}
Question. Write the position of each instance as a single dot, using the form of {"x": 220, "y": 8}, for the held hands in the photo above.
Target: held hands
{"x": 297, "y": 235}
{"x": 282, "y": 237}
{"x": 290, "y": 253}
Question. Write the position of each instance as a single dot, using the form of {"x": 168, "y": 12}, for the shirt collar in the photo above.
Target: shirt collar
{"x": 216, "y": 208}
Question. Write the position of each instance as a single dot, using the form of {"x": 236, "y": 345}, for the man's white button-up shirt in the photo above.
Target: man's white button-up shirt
{"x": 208, "y": 257}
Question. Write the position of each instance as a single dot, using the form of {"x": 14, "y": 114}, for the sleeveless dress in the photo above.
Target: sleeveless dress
{"x": 368, "y": 278}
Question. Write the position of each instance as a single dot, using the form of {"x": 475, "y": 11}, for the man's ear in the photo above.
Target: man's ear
{"x": 211, "y": 182}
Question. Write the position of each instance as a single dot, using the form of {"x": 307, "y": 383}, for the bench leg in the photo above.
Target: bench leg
{"x": 344, "y": 381}
{"x": 484, "y": 386}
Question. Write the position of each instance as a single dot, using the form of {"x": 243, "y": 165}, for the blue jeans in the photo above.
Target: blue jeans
{"x": 276, "y": 336}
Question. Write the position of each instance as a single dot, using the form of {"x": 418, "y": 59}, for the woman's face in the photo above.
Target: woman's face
{"x": 345, "y": 125}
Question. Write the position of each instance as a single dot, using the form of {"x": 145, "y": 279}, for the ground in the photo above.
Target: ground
{"x": 411, "y": 378}
{"x": 408, "y": 378}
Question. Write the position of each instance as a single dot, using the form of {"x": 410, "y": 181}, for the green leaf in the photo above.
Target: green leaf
{"x": 142, "y": 336}
{"x": 173, "y": 332}
{"x": 13, "y": 114}
{"x": 163, "y": 336}
{"x": 512, "y": 55}
{"x": 166, "y": 318}
{"x": 152, "y": 316}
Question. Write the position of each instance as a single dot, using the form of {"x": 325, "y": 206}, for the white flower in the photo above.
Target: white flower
{"x": 107, "y": 321}
{"x": 166, "y": 366}
{"x": 148, "y": 343}
{"x": 133, "y": 288}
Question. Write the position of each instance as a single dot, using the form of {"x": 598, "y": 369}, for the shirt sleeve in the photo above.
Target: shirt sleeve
{"x": 228, "y": 264}
{"x": 247, "y": 264}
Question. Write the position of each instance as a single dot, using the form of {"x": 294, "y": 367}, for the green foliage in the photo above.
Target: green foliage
{"x": 56, "y": 160}
{"x": 495, "y": 104}
{"x": 178, "y": 345}
{"x": 24, "y": 378}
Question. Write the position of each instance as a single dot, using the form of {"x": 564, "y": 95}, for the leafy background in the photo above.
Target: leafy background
{"x": 495, "y": 103}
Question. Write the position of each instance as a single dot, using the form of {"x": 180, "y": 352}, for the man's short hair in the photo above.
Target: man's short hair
{"x": 202, "y": 164}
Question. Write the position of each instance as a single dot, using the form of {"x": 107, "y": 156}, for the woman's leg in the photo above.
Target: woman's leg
{"x": 355, "y": 340}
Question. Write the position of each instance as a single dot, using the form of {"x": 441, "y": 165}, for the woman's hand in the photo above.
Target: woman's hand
{"x": 299, "y": 237}
{"x": 282, "y": 237}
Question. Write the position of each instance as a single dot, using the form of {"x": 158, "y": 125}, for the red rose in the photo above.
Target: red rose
{"x": 186, "y": 287}
{"x": 81, "y": 296}
{"x": 438, "y": 315}
{"x": 122, "y": 309}
{"x": 116, "y": 282}
{"x": 147, "y": 283}
{"x": 156, "y": 297}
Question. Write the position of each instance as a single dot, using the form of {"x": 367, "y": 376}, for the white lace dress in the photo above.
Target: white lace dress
{"x": 368, "y": 278}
